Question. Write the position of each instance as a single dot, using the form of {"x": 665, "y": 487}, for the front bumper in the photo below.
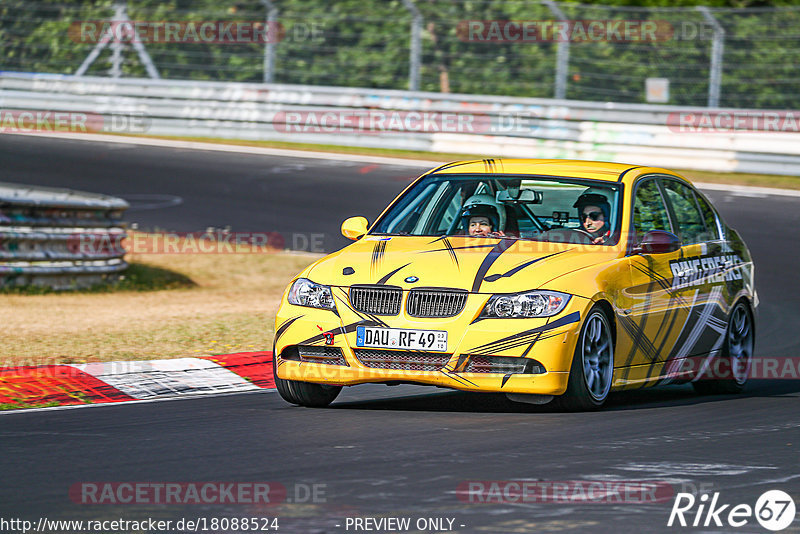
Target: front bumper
{"x": 549, "y": 341}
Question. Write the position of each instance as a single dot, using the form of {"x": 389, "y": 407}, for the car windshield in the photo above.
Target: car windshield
{"x": 530, "y": 207}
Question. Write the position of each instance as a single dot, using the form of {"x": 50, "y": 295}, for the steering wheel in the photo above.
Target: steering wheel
{"x": 584, "y": 232}
{"x": 561, "y": 235}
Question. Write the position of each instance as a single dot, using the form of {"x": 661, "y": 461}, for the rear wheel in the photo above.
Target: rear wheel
{"x": 303, "y": 393}
{"x": 737, "y": 352}
{"x": 592, "y": 365}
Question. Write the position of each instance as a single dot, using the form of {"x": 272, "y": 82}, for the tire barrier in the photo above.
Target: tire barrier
{"x": 59, "y": 238}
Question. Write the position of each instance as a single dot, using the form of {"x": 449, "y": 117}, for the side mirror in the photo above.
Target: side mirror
{"x": 354, "y": 228}
{"x": 658, "y": 242}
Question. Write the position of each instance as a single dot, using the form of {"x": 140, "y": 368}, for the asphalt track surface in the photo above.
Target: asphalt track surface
{"x": 400, "y": 451}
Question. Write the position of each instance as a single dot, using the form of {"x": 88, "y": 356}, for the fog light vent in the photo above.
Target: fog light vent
{"x": 503, "y": 365}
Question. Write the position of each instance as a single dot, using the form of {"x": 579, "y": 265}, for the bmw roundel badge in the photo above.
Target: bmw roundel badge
{"x": 411, "y": 279}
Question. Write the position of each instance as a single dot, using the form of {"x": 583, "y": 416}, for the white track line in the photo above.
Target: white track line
{"x": 128, "y": 403}
{"x": 748, "y": 190}
{"x": 239, "y": 149}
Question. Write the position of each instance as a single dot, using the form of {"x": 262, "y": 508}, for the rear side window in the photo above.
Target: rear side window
{"x": 691, "y": 227}
{"x": 710, "y": 218}
{"x": 649, "y": 212}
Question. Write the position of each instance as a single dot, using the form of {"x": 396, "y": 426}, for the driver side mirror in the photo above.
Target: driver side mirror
{"x": 354, "y": 228}
{"x": 658, "y": 242}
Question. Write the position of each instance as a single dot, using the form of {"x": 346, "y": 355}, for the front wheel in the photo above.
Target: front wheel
{"x": 737, "y": 353}
{"x": 592, "y": 365}
{"x": 303, "y": 393}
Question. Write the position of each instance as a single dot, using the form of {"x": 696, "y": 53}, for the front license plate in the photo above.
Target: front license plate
{"x": 399, "y": 338}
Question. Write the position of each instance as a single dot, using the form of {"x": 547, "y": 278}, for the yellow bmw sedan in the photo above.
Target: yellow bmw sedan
{"x": 547, "y": 280}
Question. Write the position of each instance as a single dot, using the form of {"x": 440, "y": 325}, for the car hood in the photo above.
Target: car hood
{"x": 480, "y": 265}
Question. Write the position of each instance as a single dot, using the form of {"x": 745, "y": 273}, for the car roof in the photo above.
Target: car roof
{"x": 593, "y": 170}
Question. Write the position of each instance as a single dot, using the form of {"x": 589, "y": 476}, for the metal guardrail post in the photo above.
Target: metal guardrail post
{"x": 110, "y": 35}
{"x": 116, "y": 44}
{"x": 415, "y": 54}
{"x": 717, "y": 49}
{"x": 269, "y": 47}
{"x": 562, "y": 55}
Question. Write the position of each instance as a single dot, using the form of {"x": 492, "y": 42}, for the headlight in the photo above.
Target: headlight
{"x": 304, "y": 292}
{"x": 523, "y": 305}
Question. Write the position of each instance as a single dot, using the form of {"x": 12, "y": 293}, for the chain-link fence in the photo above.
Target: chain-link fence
{"x": 687, "y": 56}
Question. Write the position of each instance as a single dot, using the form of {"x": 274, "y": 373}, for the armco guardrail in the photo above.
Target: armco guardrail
{"x": 59, "y": 238}
{"x": 497, "y": 126}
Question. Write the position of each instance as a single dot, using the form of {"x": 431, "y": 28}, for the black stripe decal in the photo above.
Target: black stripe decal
{"x": 641, "y": 341}
{"x": 457, "y": 378}
{"x": 446, "y": 249}
{"x": 508, "y": 345}
{"x": 518, "y": 268}
{"x": 452, "y": 252}
{"x": 665, "y": 283}
{"x": 282, "y": 328}
{"x": 453, "y": 164}
{"x": 538, "y": 336}
{"x": 386, "y": 278}
{"x": 573, "y": 317}
{"x": 490, "y": 258}
{"x": 626, "y": 171}
{"x": 366, "y": 316}
{"x": 377, "y": 253}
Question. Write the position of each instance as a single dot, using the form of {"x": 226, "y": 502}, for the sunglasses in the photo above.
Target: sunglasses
{"x": 593, "y": 215}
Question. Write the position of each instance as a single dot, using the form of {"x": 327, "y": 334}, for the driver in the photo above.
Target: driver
{"x": 482, "y": 216}
{"x": 593, "y": 214}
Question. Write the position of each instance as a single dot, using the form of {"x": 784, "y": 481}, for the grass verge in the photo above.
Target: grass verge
{"x": 138, "y": 277}
{"x": 5, "y": 406}
{"x": 168, "y": 306}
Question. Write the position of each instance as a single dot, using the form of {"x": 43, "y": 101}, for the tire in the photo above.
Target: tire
{"x": 592, "y": 367}
{"x": 737, "y": 349}
{"x": 303, "y": 393}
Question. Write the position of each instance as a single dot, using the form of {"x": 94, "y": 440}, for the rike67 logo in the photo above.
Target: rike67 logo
{"x": 774, "y": 510}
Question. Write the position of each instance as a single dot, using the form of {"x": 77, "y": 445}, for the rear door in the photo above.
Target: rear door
{"x": 652, "y": 310}
{"x": 697, "y": 273}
